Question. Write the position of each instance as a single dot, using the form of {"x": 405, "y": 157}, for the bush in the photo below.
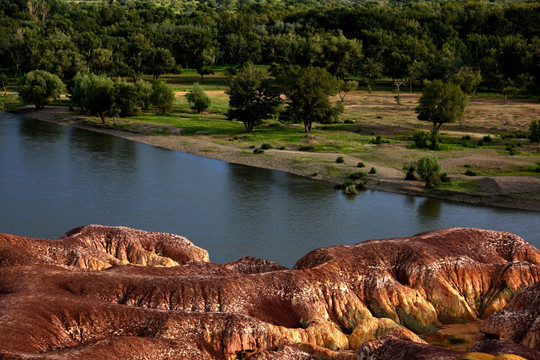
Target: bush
{"x": 470, "y": 173}
{"x": 282, "y": 148}
{"x": 357, "y": 175}
{"x": 340, "y": 160}
{"x": 420, "y": 139}
{"x": 372, "y": 171}
{"x": 466, "y": 137}
{"x": 307, "y": 148}
{"x": 445, "y": 178}
{"x": 350, "y": 189}
{"x": 429, "y": 168}
{"x": 487, "y": 139}
{"x": 258, "y": 151}
{"x": 197, "y": 98}
{"x": 266, "y": 146}
{"x": 410, "y": 173}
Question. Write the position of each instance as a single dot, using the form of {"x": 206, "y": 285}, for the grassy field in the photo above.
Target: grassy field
{"x": 490, "y": 140}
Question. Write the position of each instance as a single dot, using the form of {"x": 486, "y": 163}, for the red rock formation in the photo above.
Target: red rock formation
{"x": 394, "y": 348}
{"x": 99, "y": 247}
{"x": 500, "y": 347}
{"x": 519, "y": 322}
{"x": 334, "y": 298}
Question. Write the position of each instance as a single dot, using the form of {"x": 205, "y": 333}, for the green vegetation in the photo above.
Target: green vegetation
{"x": 197, "y": 98}
{"x": 441, "y": 103}
{"x": 39, "y": 88}
{"x": 162, "y": 96}
{"x": 429, "y": 169}
{"x": 253, "y": 97}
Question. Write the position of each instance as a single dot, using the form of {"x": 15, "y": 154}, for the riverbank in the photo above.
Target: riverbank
{"x": 518, "y": 192}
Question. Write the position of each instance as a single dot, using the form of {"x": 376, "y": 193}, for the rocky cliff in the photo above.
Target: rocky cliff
{"x": 86, "y": 294}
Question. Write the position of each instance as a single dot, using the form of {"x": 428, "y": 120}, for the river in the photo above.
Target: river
{"x": 54, "y": 178}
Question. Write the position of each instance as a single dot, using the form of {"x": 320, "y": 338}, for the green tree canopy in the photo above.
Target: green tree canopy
{"x": 100, "y": 96}
{"x": 308, "y": 90}
{"x": 253, "y": 96}
{"x": 429, "y": 169}
{"x": 162, "y": 96}
{"x": 441, "y": 103}
{"x": 40, "y": 88}
{"x": 197, "y": 98}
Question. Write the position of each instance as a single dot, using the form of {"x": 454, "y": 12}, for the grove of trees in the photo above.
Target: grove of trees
{"x": 494, "y": 44}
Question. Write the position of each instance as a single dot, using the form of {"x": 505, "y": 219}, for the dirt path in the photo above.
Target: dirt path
{"x": 513, "y": 192}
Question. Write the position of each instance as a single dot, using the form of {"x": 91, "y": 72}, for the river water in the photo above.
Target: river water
{"x": 54, "y": 178}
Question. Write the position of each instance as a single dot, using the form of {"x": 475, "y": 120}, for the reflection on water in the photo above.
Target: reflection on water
{"x": 429, "y": 210}
{"x": 55, "y": 178}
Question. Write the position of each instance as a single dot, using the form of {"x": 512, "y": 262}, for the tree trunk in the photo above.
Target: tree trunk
{"x": 102, "y": 116}
{"x": 369, "y": 87}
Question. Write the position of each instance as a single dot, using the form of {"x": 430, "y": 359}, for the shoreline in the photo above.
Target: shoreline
{"x": 503, "y": 191}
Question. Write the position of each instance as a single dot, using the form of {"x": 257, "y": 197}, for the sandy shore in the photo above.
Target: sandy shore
{"x": 509, "y": 191}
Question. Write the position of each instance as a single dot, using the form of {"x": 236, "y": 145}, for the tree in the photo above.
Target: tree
{"x": 4, "y": 82}
{"x": 370, "y": 71}
{"x": 100, "y": 96}
{"x": 308, "y": 91}
{"x": 345, "y": 87}
{"x": 467, "y": 79}
{"x": 253, "y": 96}
{"x": 429, "y": 169}
{"x": 138, "y": 50}
{"x": 197, "y": 98}
{"x": 126, "y": 99}
{"x": 441, "y": 103}
{"x": 39, "y": 88}
{"x": 162, "y": 96}
{"x": 160, "y": 62}
{"x": 206, "y": 59}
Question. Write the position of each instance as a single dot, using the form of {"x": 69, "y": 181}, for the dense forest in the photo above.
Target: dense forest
{"x": 494, "y": 45}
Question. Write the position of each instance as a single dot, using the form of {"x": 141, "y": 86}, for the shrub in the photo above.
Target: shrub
{"x": 470, "y": 173}
{"x": 357, "y": 175}
{"x": 487, "y": 139}
{"x": 445, "y": 178}
{"x": 480, "y": 143}
{"x": 420, "y": 139}
{"x": 429, "y": 168}
{"x": 511, "y": 150}
{"x": 350, "y": 189}
{"x": 372, "y": 171}
{"x": 340, "y": 160}
{"x": 197, "y": 98}
{"x": 410, "y": 173}
{"x": 361, "y": 165}
{"x": 266, "y": 146}
{"x": 258, "y": 151}
{"x": 282, "y": 148}
{"x": 348, "y": 121}
{"x": 466, "y": 137}
{"x": 307, "y": 148}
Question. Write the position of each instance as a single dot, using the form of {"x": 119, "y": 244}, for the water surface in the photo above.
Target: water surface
{"x": 54, "y": 178}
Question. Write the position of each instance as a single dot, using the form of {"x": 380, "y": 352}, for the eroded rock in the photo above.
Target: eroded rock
{"x": 331, "y": 302}
{"x": 519, "y": 322}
